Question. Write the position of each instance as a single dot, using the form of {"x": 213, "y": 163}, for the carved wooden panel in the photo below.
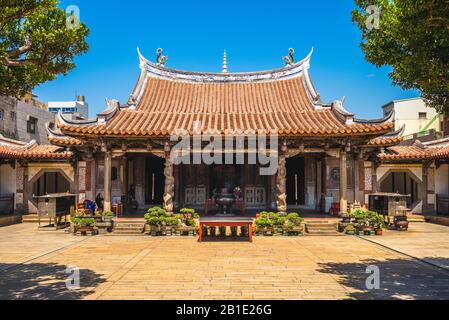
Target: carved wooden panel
{"x": 255, "y": 196}
{"x": 201, "y": 195}
{"x": 249, "y": 196}
{"x": 190, "y": 196}
{"x": 260, "y": 196}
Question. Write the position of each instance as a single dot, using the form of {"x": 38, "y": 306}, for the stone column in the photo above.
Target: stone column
{"x": 281, "y": 188}
{"x": 21, "y": 178}
{"x": 343, "y": 181}
{"x": 107, "y": 180}
{"x": 169, "y": 182}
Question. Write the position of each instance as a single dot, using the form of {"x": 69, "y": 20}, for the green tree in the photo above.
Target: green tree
{"x": 412, "y": 37}
{"x": 36, "y": 44}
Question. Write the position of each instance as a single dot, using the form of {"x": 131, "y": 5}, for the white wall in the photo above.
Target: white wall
{"x": 7, "y": 180}
{"x": 407, "y": 112}
{"x": 23, "y": 112}
{"x": 442, "y": 179}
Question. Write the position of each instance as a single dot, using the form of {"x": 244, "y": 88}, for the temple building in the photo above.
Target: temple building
{"x": 29, "y": 169}
{"x": 420, "y": 170}
{"x": 324, "y": 153}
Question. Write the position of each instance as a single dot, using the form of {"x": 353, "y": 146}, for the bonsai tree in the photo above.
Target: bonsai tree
{"x": 295, "y": 219}
{"x": 350, "y": 229}
{"x": 376, "y": 220}
{"x": 107, "y": 214}
{"x": 83, "y": 222}
{"x": 191, "y": 212}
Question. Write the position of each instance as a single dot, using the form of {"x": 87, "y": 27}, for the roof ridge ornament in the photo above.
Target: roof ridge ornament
{"x": 290, "y": 59}
{"x": 224, "y": 68}
{"x": 160, "y": 59}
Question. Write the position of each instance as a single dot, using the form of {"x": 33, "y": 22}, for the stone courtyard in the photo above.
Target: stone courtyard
{"x": 412, "y": 265}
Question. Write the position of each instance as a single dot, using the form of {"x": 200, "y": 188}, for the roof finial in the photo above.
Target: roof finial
{"x": 290, "y": 59}
{"x": 160, "y": 59}
{"x": 224, "y": 68}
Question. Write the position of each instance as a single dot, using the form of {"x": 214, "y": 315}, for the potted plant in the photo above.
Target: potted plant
{"x": 84, "y": 225}
{"x": 156, "y": 218}
{"x": 107, "y": 216}
{"x": 265, "y": 224}
{"x": 350, "y": 230}
{"x": 278, "y": 223}
{"x": 377, "y": 221}
{"x": 294, "y": 223}
{"x": 347, "y": 217}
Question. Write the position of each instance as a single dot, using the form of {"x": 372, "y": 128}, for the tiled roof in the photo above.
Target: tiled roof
{"x": 64, "y": 141}
{"x": 167, "y": 100}
{"x": 389, "y": 139}
{"x": 419, "y": 151}
{"x": 384, "y": 141}
{"x": 11, "y": 149}
{"x": 168, "y": 105}
{"x": 442, "y": 153}
{"x": 406, "y": 153}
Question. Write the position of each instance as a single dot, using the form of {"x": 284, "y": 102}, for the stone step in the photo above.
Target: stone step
{"x": 129, "y": 225}
{"x": 127, "y": 232}
{"x": 128, "y": 228}
{"x": 322, "y": 225}
{"x": 322, "y": 228}
{"x": 416, "y": 218}
{"x": 33, "y": 218}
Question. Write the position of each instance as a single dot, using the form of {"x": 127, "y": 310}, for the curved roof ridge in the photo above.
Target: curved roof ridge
{"x": 161, "y": 71}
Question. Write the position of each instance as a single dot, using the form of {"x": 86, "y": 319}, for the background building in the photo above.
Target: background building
{"x": 418, "y": 119}
{"x": 73, "y": 110}
{"x": 25, "y": 119}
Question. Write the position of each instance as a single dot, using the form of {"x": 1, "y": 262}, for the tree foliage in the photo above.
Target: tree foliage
{"x": 412, "y": 38}
{"x": 35, "y": 44}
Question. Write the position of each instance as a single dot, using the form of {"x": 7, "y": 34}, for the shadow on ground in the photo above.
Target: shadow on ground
{"x": 44, "y": 281}
{"x": 404, "y": 279}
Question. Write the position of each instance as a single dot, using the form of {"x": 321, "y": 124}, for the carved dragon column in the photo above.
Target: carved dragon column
{"x": 107, "y": 179}
{"x": 343, "y": 181}
{"x": 281, "y": 181}
{"x": 169, "y": 192}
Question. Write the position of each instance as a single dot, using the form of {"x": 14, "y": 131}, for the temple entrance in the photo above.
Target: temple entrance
{"x": 296, "y": 181}
{"x": 402, "y": 183}
{"x": 225, "y": 177}
{"x": 154, "y": 180}
{"x": 50, "y": 182}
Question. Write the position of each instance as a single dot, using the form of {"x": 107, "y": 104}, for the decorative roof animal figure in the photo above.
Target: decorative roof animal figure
{"x": 290, "y": 59}
{"x": 160, "y": 59}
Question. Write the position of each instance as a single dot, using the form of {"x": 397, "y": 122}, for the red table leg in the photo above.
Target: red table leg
{"x": 200, "y": 239}
{"x": 250, "y": 228}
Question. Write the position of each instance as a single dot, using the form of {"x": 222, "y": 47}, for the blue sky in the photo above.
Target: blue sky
{"x": 255, "y": 33}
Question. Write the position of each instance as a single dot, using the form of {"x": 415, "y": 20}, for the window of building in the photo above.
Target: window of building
{"x": 12, "y": 115}
{"x": 2, "y": 112}
{"x": 422, "y": 115}
{"x": 31, "y": 125}
{"x": 51, "y": 125}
